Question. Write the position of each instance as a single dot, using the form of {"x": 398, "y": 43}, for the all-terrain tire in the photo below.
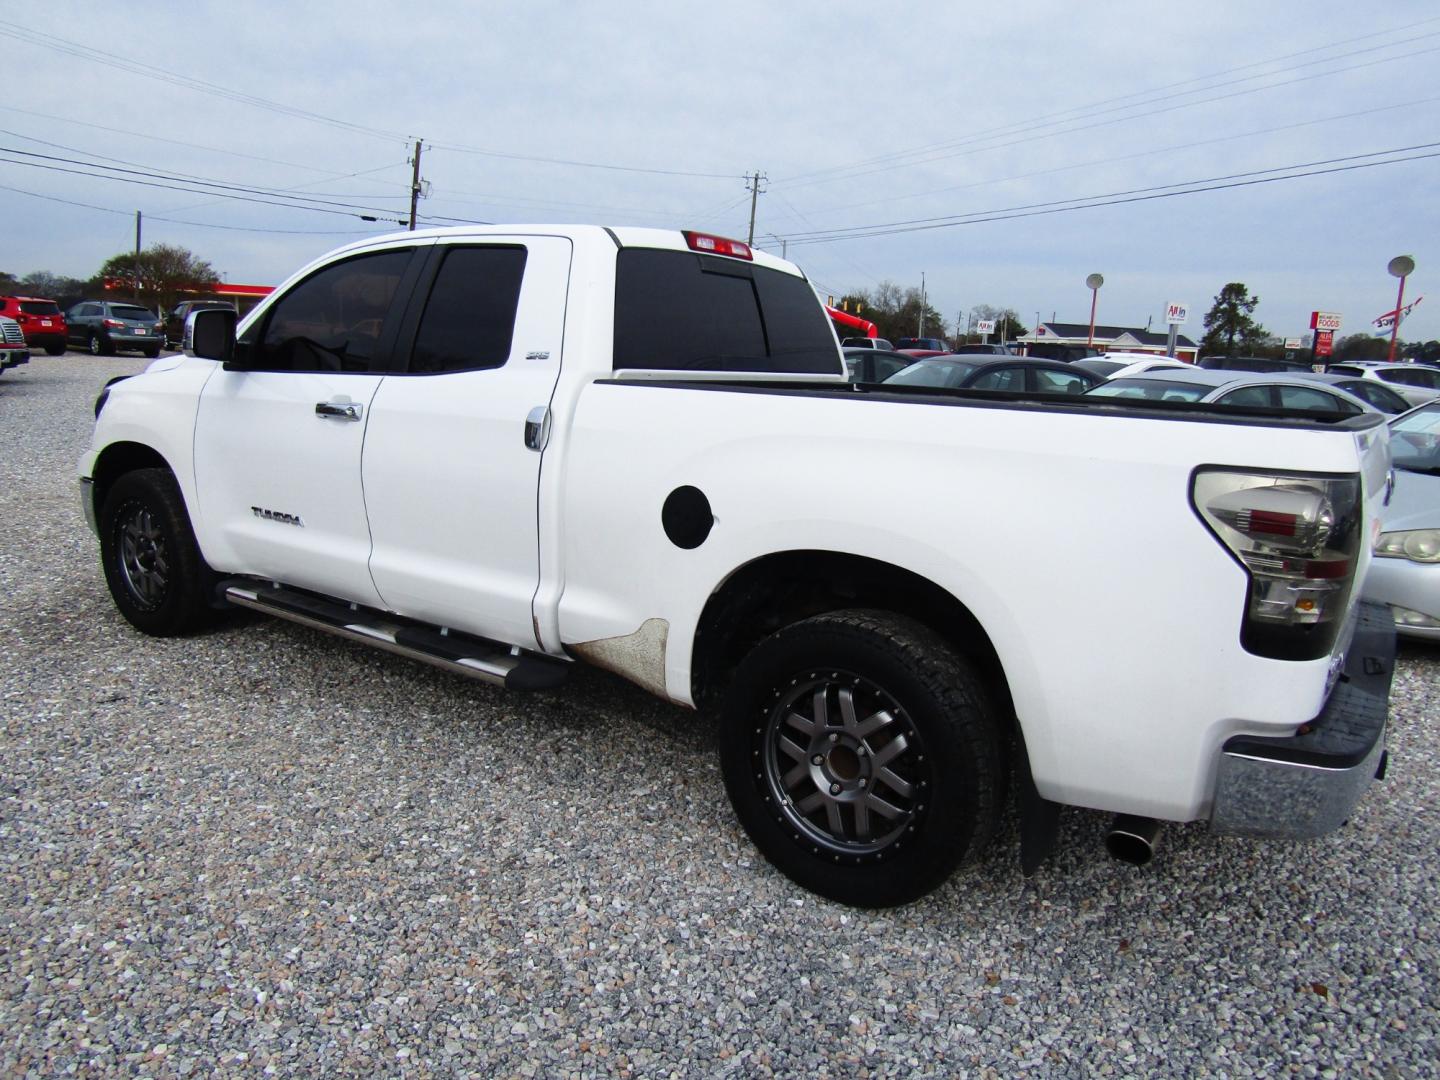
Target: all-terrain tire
{"x": 152, "y": 564}
{"x": 862, "y": 756}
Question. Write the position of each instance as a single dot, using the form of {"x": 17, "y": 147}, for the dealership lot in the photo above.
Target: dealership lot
{"x": 264, "y": 847}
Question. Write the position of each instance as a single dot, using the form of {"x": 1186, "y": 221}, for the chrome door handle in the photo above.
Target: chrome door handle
{"x": 338, "y": 410}
{"x": 537, "y": 427}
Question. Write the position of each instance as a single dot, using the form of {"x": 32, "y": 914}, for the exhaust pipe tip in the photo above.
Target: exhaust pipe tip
{"x": 1132, "y": 839}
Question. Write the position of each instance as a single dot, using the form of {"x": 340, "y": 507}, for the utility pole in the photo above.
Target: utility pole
{"x": 137, "y": 254}
{"x": 920, "y": 332}
{"x": 753, "y": 183}
{"x": 415, "y": 185}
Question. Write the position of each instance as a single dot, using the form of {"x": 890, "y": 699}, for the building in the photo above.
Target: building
{"x": 1109, "y": 339}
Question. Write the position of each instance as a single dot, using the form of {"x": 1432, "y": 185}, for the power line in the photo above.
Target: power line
{"x": 177, "y": 221}
{"x": 134, "y": 67}
{"x": 1061, "y": 116}
{"x": 1111, "y": 199}
{"x": 111, "y": 59}
{"x": 1111, "y": 159}
{"x": 220, "y": 187}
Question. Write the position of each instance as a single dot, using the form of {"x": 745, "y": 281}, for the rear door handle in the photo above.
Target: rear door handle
{"x": 337, "y": 410}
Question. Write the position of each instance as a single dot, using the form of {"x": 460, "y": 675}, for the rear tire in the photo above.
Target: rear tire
{"x": 153, "y": 353}
{"x": 152, "y": 564}
{"x": 55, "y": 350}
{"x": 862, "y": 756}
{"x": 99, "y": 346}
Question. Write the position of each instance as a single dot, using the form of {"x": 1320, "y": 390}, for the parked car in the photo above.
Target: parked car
{"x": 982, "y": 349}
{"x": 175, "y": 321}
{"x": 922, "y": 343}
{"x": 1055, "y": 350}
{"x": 873, "y": 365}
{"x": 1372, "y": 391}
{"x": 1123, "y": 365}
{"x": 13, "y": 350}
{"x": 1018, "y": 374}
{"x": 867, "y": 343}
{"x": 103, "y": 326}
{"x": 40, "y": 321}
{"x": 1256, "y": 390}
{"x": 1416, "y": 383}
{"x": 1251, "y": 363}
{"x": 1406, "y": 570}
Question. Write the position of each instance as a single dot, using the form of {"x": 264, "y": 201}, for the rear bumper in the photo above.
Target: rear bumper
{"x": 1305, "y": 785}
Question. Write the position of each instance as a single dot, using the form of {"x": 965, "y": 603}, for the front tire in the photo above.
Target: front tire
{"x": 152, "y": 563}
{"x": 862, "y": 756}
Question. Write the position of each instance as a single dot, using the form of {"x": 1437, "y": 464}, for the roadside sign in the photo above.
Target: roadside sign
{"x": 1325, "y": 320}
{"x": 1293, "y": 343}
{"x": 985, "y": 326}
{"x": 1175, "y": 314}
{"x": 1324, "y": 342}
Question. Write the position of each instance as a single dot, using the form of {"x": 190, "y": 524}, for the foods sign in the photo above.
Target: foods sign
{"x": 1325, "y": 320}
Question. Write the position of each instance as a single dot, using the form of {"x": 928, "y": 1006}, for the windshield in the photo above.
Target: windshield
{"x": 132, "y": 313}
{"x": 1151, "y": 390}
{"x": 1415, "y": 440}
{"x": 932, "y": 373}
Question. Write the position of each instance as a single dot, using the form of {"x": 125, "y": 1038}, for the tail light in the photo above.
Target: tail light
{"x": 1298, "y": 537}
{"x": 718, "y": 245}
{"x": 113, "y": 324}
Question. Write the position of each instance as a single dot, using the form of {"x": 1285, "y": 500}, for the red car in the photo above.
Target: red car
{"x": 40, "y": 321}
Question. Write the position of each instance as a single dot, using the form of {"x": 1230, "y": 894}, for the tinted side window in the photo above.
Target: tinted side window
{"x": 1059, "y": 382}
{"x": 1251, "y": 396}
{"x": 684, "y": 311}
{"x": 333, "y": 320}
{"x": 469, "y": 318}
{"x": 1301, "y": 397}
{"x": 1430, "y": 380}
{"x": 1001, "y": 379}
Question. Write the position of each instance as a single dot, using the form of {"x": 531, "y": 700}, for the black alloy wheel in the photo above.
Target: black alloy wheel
{"x": 152, "y": 564}
{"x": 862, "y": 756}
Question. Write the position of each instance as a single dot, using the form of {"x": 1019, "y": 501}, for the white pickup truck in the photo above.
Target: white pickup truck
{"x": 501, "y": 450}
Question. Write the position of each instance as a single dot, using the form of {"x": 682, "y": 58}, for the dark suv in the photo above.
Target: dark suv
{"x": 103, "y": 326}
{"x": 175, "y": 321}
{"x": 40, "y": 321}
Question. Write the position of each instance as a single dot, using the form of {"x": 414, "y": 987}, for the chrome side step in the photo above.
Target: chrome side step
{"x": 460, "y": 654}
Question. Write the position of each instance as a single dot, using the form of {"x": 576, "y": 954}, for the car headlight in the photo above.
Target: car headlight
{"x": 1417, "y": 545}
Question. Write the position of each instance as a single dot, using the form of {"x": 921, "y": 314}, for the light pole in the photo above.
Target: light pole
{"x": 1093, "y": 283}
{"x": 1401, "y": 267}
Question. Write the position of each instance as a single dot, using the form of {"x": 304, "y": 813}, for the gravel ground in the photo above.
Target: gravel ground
{"x": 268, "y": 851}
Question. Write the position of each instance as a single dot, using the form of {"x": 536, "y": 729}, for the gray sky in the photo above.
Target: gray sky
{"x": 860, "y": 115}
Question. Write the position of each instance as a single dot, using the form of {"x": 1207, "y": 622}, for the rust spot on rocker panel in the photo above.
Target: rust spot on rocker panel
{"x": 639, "y": 657}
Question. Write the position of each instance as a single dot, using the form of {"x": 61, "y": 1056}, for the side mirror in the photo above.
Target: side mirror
{"x": 210, "y": 334}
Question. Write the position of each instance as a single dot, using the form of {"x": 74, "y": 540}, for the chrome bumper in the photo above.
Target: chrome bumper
{"x": 1305, "y": 785}
{"x": 87, "y": 503}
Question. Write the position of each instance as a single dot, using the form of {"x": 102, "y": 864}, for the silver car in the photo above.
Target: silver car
{"x": 1416, "y": 383}
{"x": 1249, "y": 389}
{"x": 1406, "y": 570}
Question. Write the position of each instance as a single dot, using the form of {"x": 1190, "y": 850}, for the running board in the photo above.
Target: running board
{"x": 460, "y": 654}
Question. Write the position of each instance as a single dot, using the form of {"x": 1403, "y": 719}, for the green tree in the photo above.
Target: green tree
{"x": 1361, "y": 347}
{"x": 894, "y": 310}
{"x": 163, "y": 276}
{"x": 1229, "y": 326}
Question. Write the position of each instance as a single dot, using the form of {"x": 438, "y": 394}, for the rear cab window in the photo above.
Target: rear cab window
{"x": 686, "y": 311}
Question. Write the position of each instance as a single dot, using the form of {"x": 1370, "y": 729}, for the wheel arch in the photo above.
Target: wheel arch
{"x": 782, "y": 588}
{"x": 120, "y": 458}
